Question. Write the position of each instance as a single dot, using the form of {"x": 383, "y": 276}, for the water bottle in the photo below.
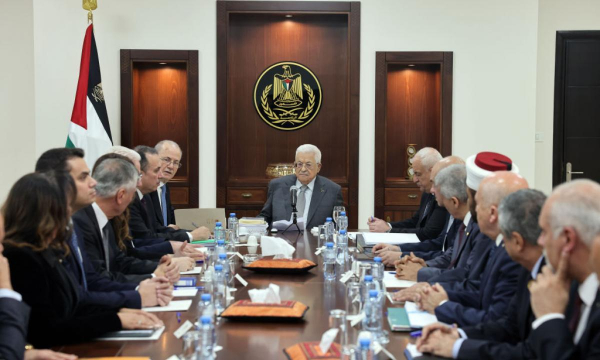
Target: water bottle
{"x": 220, "y": 289}
{"x": 342, "y": 248}
{"x": 220, "y": 249}
{"x": 329, "y": 262}
{"x": 219, "y": 232}
{"x": 225, "y": 264}
{"x": 205, "y": 308}
{"x": 364, "y": 349}
{"x": 368, "y": 285}
{"x": 207, "y": 337}
{"x": 373, "y": 314}
{"x": 233, "y": 224}
{"x": 342, "y": 221}
{"x": 330, "y": 228}
{"x": 377, "y": 270}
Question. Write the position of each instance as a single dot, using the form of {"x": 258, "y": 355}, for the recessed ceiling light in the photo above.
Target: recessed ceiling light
{"x": 411, "y": 65}
{"x": 163, "y": 63}
{"x": 288, "y": 16}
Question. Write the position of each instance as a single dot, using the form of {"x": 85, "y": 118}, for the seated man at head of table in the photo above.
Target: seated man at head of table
{"x": 428, "y": 222}
{"x": 317, "y": 195}
{"x": 431, "y": 248}
{"x": 142, "y": 221}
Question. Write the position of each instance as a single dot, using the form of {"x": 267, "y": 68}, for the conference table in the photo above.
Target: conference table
{"x": 254, "y": 340}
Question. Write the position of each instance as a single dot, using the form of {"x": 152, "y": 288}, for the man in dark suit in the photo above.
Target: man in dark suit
{"x": 170, "y": 155}
{"x": 117, "y": 179}
{"x": 316, "y": 195}
{"x": 142, "y": 221}
{"x": 429, "y": 221}
{"x": 95, "y": 288}
{"x": 570, "y": 222}
{"x": 430, "y": 248}
{"x": 506, "y": 337}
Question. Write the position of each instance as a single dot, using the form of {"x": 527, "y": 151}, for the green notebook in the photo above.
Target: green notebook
{"x": 398, "y": 319}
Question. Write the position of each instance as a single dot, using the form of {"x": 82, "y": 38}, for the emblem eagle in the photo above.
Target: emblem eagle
{"x": 287, "y": 88}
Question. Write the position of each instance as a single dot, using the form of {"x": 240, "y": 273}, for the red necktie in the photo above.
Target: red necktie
{"x": 576, "y": 315}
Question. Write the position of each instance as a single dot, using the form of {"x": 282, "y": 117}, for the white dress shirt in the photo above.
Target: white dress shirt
{"x": 11, "y": 294}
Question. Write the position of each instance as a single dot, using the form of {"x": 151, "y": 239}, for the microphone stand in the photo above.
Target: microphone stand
{"x": 294, "y": 220}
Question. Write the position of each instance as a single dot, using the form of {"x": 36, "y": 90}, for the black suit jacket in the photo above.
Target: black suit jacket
{"x": 14, "y": 317}
{"x": 432, "y": 248}
{"x": 100, "y": 289}
{"x": 426, "y": 224}
{"x": 158, "y": 211}
{"x": 143, "y": 224}
{"x": 123, "y": 268}
{"x": 57, "y": 315}
{"x": 504, "y": 338}
{"x": 553, "y": 340}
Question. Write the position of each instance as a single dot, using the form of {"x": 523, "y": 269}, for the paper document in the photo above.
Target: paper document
{"x": 191, "y": 292}
{"x": 155, "y": 336}
{"x": 389, "y": 238}
{"x": 411, "y": 351}
{"x": 390, "y": 281}
{"x": 175, "y": 305}
{"x": 197, "y": 270}
{"x": 418, "y": 318}
{"x": 283, "y": 224}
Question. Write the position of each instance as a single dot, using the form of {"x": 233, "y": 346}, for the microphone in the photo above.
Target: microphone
{"x": 294, "y": 194}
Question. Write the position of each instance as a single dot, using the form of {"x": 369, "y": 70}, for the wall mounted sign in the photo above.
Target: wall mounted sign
{"x": 287, "y": 96}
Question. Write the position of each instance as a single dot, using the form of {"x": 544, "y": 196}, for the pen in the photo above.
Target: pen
{"x": 372, "y": 218}
{"x": 178, "y": 317}
{"x": 188, "y": 287}
{"x": 195, "y": 225}
{"x": 416, "y": 333}
{"x": 392, "y": 272}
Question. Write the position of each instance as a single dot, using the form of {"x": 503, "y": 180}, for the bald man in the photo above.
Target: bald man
{"x": 431, "y": 248}
{"x": 498, "y": 273}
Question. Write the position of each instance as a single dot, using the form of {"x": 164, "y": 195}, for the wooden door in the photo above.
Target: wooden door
{"x": 576, "y": 106}
{"x": 413, "y": 105}
{"x": 159, "y": 101}
{"x": 252, "y": 36}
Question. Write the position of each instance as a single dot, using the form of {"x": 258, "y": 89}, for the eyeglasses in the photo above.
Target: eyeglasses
{"x": 299, "y": 165}
{"x": 140, "y": 176}
{"x": 168, "y": 161}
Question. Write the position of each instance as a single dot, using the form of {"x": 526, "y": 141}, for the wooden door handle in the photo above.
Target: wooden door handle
{"x": 412, "y": 196}
{"x": 246, "y": 195}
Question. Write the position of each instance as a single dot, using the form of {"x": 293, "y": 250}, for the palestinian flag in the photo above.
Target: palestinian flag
{"x": 89, "y": 128}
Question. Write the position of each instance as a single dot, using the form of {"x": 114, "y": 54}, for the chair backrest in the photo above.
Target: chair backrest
{"x": 192, "y": 218}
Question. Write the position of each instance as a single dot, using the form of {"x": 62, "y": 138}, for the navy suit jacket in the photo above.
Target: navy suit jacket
{"x": 14, "y": 317}
{"x": 325, "y": 195}
{"x": 158, "y": 211}
{"x": 504, "y": 338}
{"x": 432, "y": 248}
{"x": 149, "y": 249}
{"x": 552, "y": 339}
{"x": 100, "y": 289}
{"x": 123, "y": 268}
{"x": 143, "y": 223}
{"x": 428, "y": 222}
{"x": 498, "y": 285}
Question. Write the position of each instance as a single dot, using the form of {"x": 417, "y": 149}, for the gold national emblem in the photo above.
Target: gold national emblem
{"x": 97, "y": 93}
{"x": 287, "y": 96}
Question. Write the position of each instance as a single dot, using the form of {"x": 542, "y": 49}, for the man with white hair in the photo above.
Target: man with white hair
{"x": 429, "y": 221}
{"x": 170, "y": 155}
{"x": 317, "y": 195}
{"x": 568, "y": 317}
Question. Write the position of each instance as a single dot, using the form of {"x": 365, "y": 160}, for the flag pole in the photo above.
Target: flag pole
{"x": 90, "y": 5}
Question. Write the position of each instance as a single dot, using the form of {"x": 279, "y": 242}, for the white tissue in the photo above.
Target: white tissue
{"x": 276, "y": 246}
{"x": 269, "y": 295}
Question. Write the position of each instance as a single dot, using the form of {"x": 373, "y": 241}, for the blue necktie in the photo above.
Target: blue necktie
{"x": 77, "y": 254}
{"x": 163, "y": 196}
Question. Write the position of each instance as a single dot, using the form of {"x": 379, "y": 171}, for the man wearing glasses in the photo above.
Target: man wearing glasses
{"x": 316, "y": 195}
{"x": 170, "y": 156}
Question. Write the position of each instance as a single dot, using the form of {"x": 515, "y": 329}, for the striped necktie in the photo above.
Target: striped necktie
{"x": 163, "y": 203}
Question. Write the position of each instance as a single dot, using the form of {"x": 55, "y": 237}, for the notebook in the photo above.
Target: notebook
{"x": 398, "y": 319}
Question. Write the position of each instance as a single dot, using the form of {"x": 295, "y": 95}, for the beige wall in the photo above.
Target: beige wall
{"x": 17, "y": 101}
{"x": 555, "y": 15}
{"x": 494, "y": 45}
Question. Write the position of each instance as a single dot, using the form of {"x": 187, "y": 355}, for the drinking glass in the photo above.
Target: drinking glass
{"x": 336, "y": 214}
{"x": 322, "y": 236}
{"x": 192, "y": 343}
{"x": 337, "y": 320}
{"x": 353, "y": 310}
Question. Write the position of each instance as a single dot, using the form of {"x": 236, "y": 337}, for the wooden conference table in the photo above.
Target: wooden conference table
{"x": 253, "y": 340}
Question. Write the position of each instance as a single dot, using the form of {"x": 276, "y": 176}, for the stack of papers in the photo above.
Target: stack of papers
{"x": 284, "y": 224}
{"x": 390, "y": 281}
{"x": 175, "y": 305}
{"x": 252, "y": 225}
{"x": 155, "y": 336}
{"x": 418, "y": 318}
{"x": 197, "y": 270}
{"x": 389, "y": 238}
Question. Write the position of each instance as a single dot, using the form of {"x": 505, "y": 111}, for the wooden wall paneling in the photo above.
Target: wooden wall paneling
{"x": 160, "y": 101}
{"x": 251, "y": 36}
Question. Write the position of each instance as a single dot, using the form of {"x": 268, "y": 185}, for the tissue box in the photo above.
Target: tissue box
{"x": 281, "y": 266}
{"x": 310, "y": 350}
{"x": 247, "y": 310}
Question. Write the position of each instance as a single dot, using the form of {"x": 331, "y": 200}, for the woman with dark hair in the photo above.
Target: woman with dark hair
{"x": 37, "y": 215}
